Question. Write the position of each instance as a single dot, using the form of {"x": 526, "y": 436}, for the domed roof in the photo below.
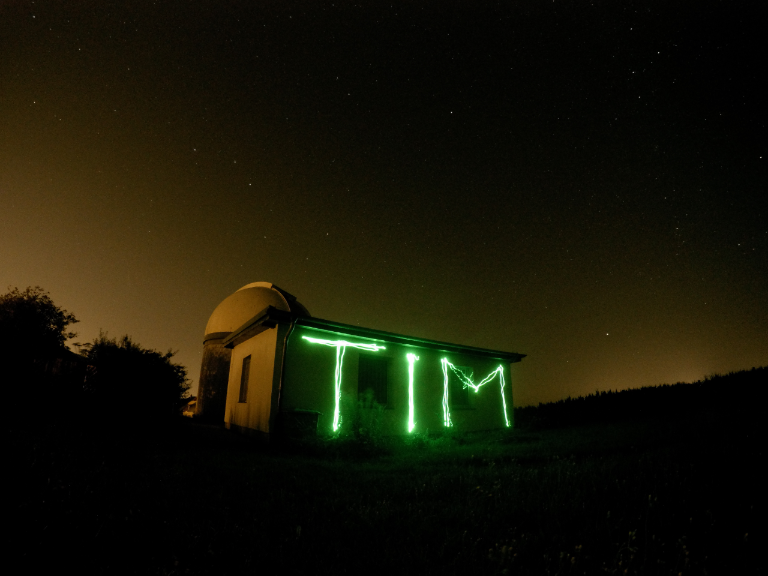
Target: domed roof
{"x": 248, "y": 301}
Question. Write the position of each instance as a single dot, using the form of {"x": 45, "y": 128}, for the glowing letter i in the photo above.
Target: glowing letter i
{"x": 411, "y": 360}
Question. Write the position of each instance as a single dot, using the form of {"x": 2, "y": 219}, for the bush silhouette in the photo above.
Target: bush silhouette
{"x": 134, "y": 382}
{"x": 35, "y": 364}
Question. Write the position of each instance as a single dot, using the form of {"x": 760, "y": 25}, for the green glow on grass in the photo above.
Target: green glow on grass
{"x": 341, "y": 347}
{"x": 411, "y": 360}
{"x": 469, "y": 383}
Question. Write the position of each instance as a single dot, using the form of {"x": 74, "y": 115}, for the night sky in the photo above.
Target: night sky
{"x": 582, "y": 182}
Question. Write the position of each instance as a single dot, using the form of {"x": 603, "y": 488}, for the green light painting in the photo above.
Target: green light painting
{"x": 469, "y": 383}
{"x": 411, "y": 360}
{"x": 341, "y": 346}
{"x": 446, "y": 407}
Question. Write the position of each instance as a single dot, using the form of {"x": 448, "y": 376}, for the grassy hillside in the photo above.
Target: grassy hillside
{"x": 664, "y": 493}
{"x": 732, "y": 393}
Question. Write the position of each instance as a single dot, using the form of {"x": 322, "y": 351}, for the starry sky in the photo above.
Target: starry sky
{"x": 582, "y": 182}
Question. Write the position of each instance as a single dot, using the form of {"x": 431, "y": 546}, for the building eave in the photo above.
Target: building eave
{"x": 271, "y": 317}
{"x": 381, "y": 335}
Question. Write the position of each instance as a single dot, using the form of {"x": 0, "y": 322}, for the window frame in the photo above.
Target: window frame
{"x": 245, "y": 376}
{"x": 372, "y": 360}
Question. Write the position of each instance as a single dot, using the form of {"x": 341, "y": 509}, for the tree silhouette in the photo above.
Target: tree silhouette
{"x": 134, "y": 382}
{"x": 109, "y": 378}
{"x": 37, "y": 371}
{"x": 31, "y": 325}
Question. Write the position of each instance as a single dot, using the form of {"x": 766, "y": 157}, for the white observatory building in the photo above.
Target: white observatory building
{"x": 269, "y": 367}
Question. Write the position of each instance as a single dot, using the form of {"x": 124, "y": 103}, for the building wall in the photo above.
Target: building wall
{"x": 310, "y": 382}
{"x": 258, "y": 412}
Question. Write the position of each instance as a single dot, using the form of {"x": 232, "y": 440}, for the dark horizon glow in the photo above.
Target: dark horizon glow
{"x": 581, "y": 184}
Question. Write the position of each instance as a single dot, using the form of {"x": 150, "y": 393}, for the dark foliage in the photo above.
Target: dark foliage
{"x": 36, "y": 368}
{"x": 31, "y": 325}
{"x": 665, "y": 401}
{"x": 111, "y": 380}
{"x": 134, "y": 382}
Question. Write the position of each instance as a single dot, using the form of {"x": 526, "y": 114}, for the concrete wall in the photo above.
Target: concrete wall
{"x": 310, "y": 377}
{"x": 258, "y": 413}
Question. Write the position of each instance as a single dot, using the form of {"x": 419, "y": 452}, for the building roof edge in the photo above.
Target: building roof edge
{"x": 374, "y": 334}
{"x": 271, "y": 316}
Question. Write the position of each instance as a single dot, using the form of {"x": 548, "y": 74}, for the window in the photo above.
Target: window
{"x": 244, "y": 378}
{"x": 458, "y": 393}
{"x": 372, "y": 379}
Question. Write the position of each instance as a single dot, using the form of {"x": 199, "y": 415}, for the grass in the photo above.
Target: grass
{"x": 640, "y": 496}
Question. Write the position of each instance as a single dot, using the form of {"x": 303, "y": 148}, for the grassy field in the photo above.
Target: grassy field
{"x": 642, "y": 496}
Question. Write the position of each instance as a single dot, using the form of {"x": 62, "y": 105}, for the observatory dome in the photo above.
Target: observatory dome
{"x": 248, "y": 301}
